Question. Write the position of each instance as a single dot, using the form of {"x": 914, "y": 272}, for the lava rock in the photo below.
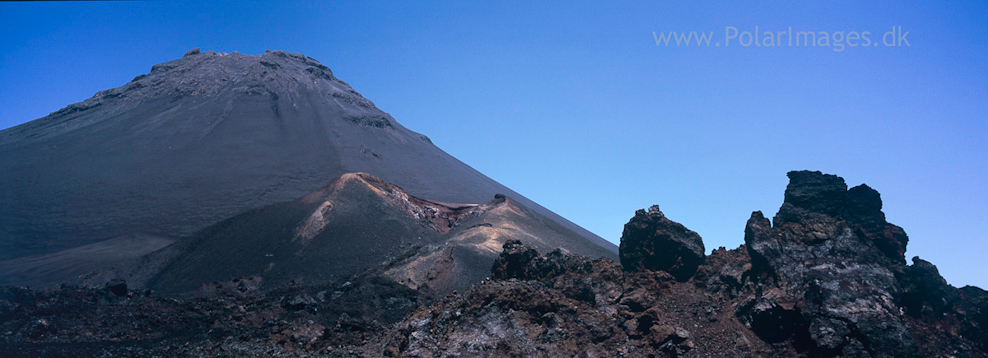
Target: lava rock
{"x": 816, "y": 192}
{"x": 925, "y": 291}
{"x": 117, "y": 287}
{"x": 653, "y": 242}
{"x": 812, "y": 193}
{"x": 773, "y": 316}
{"x": 515, "y": 261}
{"x": 299, "y": 302}
{"x": 863, "y": 211}
{"x": 842, "y": 284}
{"x": 523, "y": 262}
{"x": 974, "y": 319}
{"x": 39, "y": 328}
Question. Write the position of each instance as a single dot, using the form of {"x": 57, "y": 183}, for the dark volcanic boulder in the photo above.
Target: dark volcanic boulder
{"x": 523, "y": 262}
{"x": 515, "y": 261}
{"x": 117, "y": 287}
{"x": 821, "y": 254}
{"x": 653, "y": 242}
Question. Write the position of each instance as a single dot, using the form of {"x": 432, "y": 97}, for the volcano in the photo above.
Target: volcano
{"x": 202, "y": 139}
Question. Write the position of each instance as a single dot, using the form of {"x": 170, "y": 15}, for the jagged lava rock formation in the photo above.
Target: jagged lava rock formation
{"x": 826, "y": 280}
{"x": 833, "y": 284}
{"x": 196, "y": 141}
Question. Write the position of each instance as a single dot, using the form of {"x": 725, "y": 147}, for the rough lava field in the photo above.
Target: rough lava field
{"x": 822, "y": 280}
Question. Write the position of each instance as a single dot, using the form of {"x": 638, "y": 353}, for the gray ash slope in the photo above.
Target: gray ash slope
{"x": 197, "y": 140}
{"x": 356, "y": 224}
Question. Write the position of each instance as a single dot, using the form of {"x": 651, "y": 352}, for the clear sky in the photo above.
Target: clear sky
{"x": 576, "y": 106}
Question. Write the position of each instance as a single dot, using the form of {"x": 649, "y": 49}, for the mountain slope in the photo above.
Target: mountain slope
{"x": 356, "y": 223}
{"x": 200, "y": 139}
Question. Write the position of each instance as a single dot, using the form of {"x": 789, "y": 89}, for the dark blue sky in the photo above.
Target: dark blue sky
{"x": 575, "y": 105}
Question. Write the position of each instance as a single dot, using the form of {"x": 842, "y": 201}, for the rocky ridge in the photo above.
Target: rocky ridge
{"x": 825, "y": 279}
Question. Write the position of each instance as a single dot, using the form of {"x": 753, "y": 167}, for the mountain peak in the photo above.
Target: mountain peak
{"x": 208, "y": 73}
{"x": 286, "y": 81}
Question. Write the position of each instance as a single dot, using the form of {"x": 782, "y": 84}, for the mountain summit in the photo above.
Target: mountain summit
{"x": 197, "y": 140}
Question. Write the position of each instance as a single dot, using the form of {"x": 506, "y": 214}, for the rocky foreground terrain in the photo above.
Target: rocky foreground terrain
{"x": 825, "y": 277}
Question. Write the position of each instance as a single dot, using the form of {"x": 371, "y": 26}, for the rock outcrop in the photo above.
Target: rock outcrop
{"x": 828, "y": 272}
{"x": 653, "y": 242}
{"x": 570, "y": 305}
{"x": 827, "y": 278}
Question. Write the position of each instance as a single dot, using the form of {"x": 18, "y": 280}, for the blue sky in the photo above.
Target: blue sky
{"x": 574, "y": 105}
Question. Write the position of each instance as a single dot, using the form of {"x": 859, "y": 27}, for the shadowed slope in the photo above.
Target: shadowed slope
{"x": 359, "y": 222}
